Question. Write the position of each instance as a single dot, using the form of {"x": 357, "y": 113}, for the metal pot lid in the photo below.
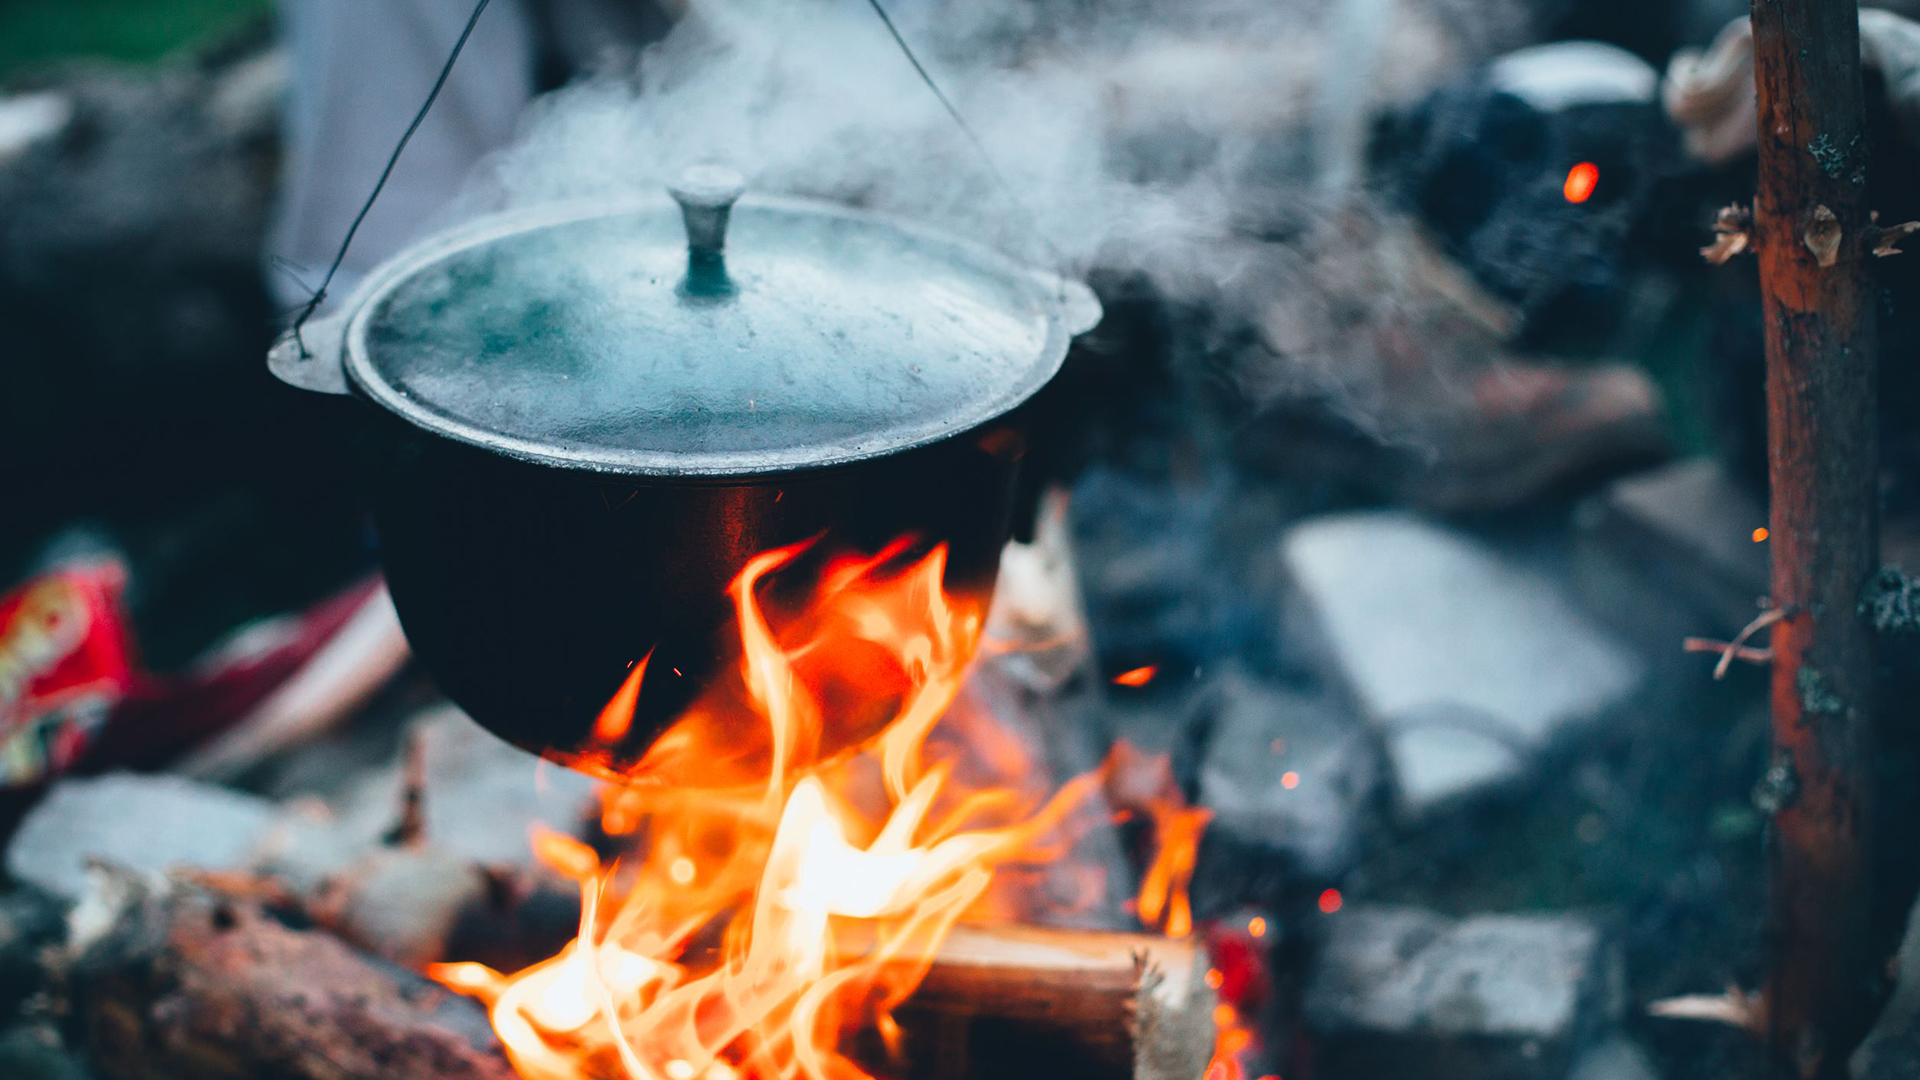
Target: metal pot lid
{"x": 707, "y": 339}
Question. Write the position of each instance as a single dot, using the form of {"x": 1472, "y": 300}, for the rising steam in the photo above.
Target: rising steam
{"x": 1175, "y": 142}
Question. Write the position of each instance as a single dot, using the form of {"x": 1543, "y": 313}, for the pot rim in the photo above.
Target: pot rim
{"x": 1069, "y": 306}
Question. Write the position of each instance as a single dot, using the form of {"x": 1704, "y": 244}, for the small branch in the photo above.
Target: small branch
{"x": 1886, "y": 241}
{"x": 410, "y": 828}
{"x": 1728, "y": 652}
{"x": 1737, "y": 649}
{"x": 1736, "y": 1008}
{"x": 1732, "y": 234}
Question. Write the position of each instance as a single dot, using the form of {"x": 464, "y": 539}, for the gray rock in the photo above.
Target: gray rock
{"x": 1891, "y": 1051}
{"x": 1261, "y": 738}
{"x": 1618, "y": 1058}
{"x": 1434, "y": 632}
{"x": 145, "y": 823}
{"x": 29, "y": 119}
{"x": 1408, "y": 993}
{"x": 481, "y": 794}
{"x": 35, "y": 1051}
{"x": 1437, "y": 765}
{"x": 29, "y": 921}
{"x": 1672, "y": 549}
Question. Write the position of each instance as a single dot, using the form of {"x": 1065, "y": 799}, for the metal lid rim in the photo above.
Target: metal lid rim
{"x": 1067, "y": 304}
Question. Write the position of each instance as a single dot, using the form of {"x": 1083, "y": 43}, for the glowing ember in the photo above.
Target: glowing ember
{"x": 1581, "y": 180}
{"x": 1139, "y": 676}
{"x": 1760, "y": 534}
{"x": 1330, "y": 901}
{"x": 783, "y": 891}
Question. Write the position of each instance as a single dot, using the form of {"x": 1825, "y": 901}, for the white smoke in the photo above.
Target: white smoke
{"x": 1159, "y": 138}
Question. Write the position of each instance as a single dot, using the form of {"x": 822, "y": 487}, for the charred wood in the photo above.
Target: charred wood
{"x": 177, "y": 982}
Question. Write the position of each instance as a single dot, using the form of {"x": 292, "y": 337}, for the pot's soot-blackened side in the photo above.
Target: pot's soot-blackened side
{"x": 589, "y": 418}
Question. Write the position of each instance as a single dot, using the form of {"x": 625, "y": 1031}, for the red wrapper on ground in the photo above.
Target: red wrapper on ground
{"x": 66, "y": 659}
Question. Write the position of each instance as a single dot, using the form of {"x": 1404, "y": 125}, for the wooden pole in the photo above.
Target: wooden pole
{"x": 1811, "y": 229}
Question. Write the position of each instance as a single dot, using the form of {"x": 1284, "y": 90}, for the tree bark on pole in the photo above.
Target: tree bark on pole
{"x": 1811, "y": 228}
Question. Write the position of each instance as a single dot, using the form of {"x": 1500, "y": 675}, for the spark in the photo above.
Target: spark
{"x": 1581, "y": 180}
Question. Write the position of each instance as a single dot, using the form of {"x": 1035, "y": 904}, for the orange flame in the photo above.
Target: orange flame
{"x": 1163, "y": 900}
{"x": 809, "y": 838}
{"x": 616, "y": 718}
{"x": 1139, "y": 676}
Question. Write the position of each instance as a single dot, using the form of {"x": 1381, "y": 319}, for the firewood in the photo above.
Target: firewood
{"x": 1013, "y": 1002}
{"x": 181, "y": 982}
{"x": 175, "y": 982}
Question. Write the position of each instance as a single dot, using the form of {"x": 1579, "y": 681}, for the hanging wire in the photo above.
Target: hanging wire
{"x": 446, "y": 70}
{"x": 320, "y": 295}
{"x": 986, "y": 156}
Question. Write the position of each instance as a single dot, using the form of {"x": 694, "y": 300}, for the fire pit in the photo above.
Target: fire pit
{"x": 1321, "y": 668}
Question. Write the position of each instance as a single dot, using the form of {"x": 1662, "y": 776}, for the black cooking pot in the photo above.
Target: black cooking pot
{"x": 586, "y": 419}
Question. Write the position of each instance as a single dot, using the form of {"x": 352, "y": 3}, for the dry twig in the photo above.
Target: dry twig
{"x": 1738, "y": 649}
{"x": 1886, "y": 241}
{"x": 1746, "y": 654}
{"x": 1734, "y": 1008}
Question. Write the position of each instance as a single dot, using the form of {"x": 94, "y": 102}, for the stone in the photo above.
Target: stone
{"x": 1413, "y": 994}
{"x": 1618, "y": 1058}
{"x": 1453, "y": 648}
{"x": 1434, "y": 767}
{"x": 1672, "y": 550}
{"x": 28, "y": 119}
{"x": 482, "y": 795}
{"x": 35, "y": 1051}
{"x": 29, "y": 921}
{"x": 1891, "y": 1051}
{"x": 148, "y": 824}
{"x": 1289, "y": 770}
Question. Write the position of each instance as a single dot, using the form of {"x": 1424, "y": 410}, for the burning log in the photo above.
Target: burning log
{"x": 180, "y": 983}
{"x": 183, "y": 983}
{"x": 1013, "y": 1002}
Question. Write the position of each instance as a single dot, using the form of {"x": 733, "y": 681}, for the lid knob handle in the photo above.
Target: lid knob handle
{"x": 706, "y": 194}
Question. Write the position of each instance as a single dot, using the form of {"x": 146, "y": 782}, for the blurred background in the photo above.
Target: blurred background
{"x": 1417, "y": 438}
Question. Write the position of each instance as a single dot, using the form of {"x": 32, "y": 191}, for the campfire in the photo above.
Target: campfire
{"x": 961, "y": 540}
{"x": 839, "y": 863}
{"x": 800, "y": 851}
